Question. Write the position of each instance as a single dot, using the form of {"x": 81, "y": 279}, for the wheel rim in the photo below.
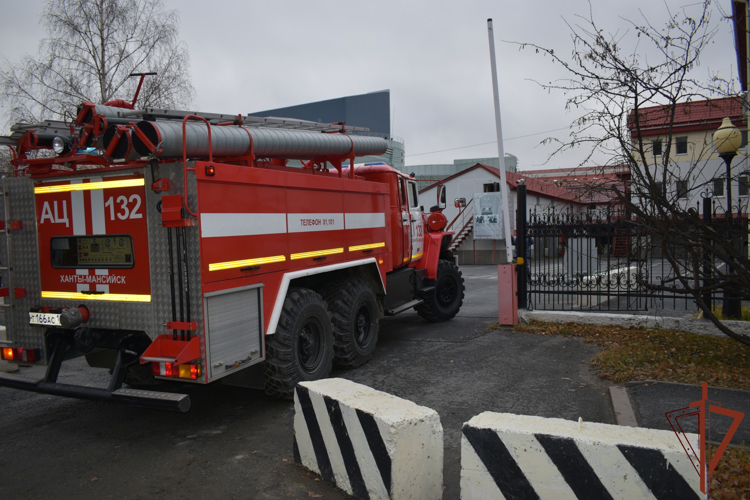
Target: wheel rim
{"x": 446, "y": 292}
{"x": 310, "y": 346}
{"x": 363, "y": 326}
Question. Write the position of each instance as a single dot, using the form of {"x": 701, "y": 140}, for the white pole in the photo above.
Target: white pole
{"x": 500, "y": 149}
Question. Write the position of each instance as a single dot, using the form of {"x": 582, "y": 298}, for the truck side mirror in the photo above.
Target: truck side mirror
{"x": 460, "y": 202}
{"x": 441, "y": 196}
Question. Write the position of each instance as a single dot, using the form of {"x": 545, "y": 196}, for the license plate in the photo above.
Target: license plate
{"x": 44, "y": 319}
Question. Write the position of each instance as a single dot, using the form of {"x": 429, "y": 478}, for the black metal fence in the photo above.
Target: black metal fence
{"x": 600, "y": 260}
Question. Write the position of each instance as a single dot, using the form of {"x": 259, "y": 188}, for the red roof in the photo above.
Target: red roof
{"x": 688, "y": 116}
{"x": 535, "y": 186}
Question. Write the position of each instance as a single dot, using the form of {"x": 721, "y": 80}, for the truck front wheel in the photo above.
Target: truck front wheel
{"x": 354, "y": 314}
{"x": 302, "y": 347}
{"x": 445, "y": 300}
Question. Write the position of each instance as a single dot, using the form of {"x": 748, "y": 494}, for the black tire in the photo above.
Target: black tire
{"x": 302, "y": 347}
{"x": 354, "y": 315}
{"x": 446, "y": 299}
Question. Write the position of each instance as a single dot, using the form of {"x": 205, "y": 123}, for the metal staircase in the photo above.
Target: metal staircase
{"x": 464, "y": 220}
{"x": 461, "y": 235}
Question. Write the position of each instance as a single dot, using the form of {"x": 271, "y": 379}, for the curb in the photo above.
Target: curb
{"x": 621, "y": 406}
{"x": 701, "y": 327}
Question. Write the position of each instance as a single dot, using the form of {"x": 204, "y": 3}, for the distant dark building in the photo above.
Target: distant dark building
{"x": 372, "y": 110}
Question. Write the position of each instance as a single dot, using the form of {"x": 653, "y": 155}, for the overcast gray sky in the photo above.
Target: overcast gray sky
{"x": 250, "y": 55}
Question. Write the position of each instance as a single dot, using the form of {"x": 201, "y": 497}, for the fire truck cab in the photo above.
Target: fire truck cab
{"x": 167, "y": 245}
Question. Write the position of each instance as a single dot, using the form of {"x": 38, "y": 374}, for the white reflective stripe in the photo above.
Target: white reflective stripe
{"x": 98, "y": 222}
{"x": 288, "y": 277}
{"x": 247, "y": 224}
{"x": 78, "y": 211}
{"x": 215, "y": 225}
{"x": 78, "y": 214}
{"x": 364, "y": 221}
{"x": 303, "y": 223}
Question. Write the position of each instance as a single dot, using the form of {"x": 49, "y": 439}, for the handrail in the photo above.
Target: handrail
{"x": 460, "y": 213}
{"x": 184, "y": 157}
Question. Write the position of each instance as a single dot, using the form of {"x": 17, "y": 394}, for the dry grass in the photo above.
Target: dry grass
{"x": 731, "y": 479}
{"x": 635, "y": 354}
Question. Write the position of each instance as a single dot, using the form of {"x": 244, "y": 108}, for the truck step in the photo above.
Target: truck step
{"x": 19, "y": 379}
{"x": 404, "y": 307}
{"x": 140, "y": 397}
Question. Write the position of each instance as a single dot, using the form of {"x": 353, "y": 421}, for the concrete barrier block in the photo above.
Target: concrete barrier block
{"x": 369, "y": 443}
{"x": 517, "y": 456}
{"x": 4, "y": 365}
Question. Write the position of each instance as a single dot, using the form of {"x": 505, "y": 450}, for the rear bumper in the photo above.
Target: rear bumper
{"x": 129, "y": 345}
{"x": 127, "y": 396}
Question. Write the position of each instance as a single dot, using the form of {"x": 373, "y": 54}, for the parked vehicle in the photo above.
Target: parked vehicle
{"x": 163, "y": 244}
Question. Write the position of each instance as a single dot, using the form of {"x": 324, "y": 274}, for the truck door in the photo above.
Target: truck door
{"x": 405, "y": 221}
{"x": 416, "y": 222}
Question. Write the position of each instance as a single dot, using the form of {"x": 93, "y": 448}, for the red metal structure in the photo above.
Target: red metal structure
{"x": 166, "y": 244}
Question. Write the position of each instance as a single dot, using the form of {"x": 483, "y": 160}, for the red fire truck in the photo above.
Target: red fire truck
{"x": 164, "y": 244}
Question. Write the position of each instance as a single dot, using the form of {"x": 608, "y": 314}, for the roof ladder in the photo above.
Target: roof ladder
{"x": 6, "y": 264}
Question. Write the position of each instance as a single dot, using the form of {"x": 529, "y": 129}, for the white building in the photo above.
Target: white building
{"x": 540, "y": 196}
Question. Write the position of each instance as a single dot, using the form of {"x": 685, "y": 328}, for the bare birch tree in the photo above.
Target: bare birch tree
{"x": 91, "y": 48}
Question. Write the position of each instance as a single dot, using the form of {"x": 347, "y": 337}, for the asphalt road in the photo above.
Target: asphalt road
{"x": 237, "y": 443}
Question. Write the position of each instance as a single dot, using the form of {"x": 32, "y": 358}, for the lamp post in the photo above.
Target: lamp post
{"x": 727, "y": 140}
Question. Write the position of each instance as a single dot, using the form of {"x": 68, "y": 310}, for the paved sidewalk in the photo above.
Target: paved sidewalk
{"x": 651, "y": 400}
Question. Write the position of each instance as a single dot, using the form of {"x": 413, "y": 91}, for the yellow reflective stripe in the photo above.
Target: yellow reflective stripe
{"x": 88, "y": 186}
{"x": 218, "y": 266}
{"x": 406, "y": 259}
{"x": 417, "y": 256}
{"x": 120, "y": 297}
{"x": 367, "y": 247}
{"x": 318, "y": 253}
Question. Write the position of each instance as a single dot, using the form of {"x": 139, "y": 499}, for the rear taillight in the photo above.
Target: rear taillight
{"x": 19, "y": 354}
{"x": 171, "y": 370}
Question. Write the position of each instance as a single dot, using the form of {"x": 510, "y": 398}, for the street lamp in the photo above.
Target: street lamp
{"x": 727, "y": 140}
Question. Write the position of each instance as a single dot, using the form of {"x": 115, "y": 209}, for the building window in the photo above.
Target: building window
{"x": 492, "y": 187}
{"x": 656, "y": 147}
{"x": 743, "y": 185}
{"x": 718, "y": 187}
{"x": 682, "y": 189}
{"x": 744, "y": 138}
{"x": 681, "y": 145}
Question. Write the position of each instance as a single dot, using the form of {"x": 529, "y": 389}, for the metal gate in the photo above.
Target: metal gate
{"x": 596, "y": 260}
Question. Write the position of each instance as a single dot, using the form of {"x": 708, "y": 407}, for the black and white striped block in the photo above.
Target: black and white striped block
{"x": 370, "y": 444}
{"x": 519, "y": 457}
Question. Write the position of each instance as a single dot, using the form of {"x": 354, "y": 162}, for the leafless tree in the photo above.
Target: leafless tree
{"x": 91, "y": 48}
{"x": 612, "y": 79}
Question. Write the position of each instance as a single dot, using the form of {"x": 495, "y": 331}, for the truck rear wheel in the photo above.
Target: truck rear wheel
{"x": 302, "y": 347}
{"x": 354, "y": 314}
{"x": 445, "y": 300}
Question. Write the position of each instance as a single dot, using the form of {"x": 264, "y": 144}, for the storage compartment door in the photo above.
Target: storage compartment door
{"x": 234, "y": 330}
